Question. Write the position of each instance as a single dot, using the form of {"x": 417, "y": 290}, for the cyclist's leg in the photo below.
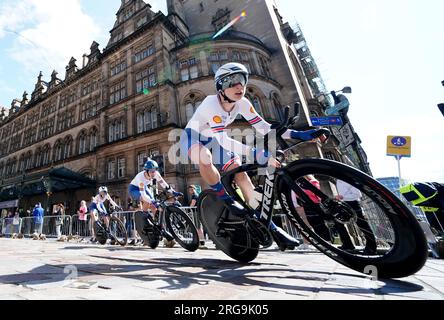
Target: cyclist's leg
{"x": 196, "y": 149}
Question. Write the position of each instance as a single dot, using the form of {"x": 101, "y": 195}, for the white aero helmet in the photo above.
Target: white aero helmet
{"x": 227, "y": 70}
{"x": 103, "y": 189}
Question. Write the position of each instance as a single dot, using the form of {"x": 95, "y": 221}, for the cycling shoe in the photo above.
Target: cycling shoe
{"x": 284, "y": 240}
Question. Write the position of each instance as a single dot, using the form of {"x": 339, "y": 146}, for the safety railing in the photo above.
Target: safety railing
{"x": 74, "y": 226}
{"x": 52, "y": 223}
{"x": 10, "y": 226}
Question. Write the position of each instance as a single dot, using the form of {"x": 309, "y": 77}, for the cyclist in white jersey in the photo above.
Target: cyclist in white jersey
{"x": 207, "y": 130}
{"x": 98, "y": 207}
{"x": 140, "y": 188}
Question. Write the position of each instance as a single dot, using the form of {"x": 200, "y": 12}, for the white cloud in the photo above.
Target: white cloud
{"x": 54, "y": 31}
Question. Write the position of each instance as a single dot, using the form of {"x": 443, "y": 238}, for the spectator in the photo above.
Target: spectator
{"x": 38, "y": 218}
{"x": 193, "y": 195}
{"x": 312, "y": 216}
{"x": 8, "y": 224}
{"x": 59, "y": 212}
{"x": 83, "y": 210}
{"x": 16, "y": 222}
{"x": 352, "y": 196}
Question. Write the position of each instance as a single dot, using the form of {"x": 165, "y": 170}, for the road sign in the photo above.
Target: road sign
{"x": 327, "y": 121}
{"x": 399, "y": 146}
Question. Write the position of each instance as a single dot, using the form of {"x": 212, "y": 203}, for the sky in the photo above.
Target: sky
{"x": 390, "y": 52}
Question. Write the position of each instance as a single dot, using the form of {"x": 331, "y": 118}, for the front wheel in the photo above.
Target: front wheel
{"x": 182, "y": 228}
{"x": 376, "y": 234}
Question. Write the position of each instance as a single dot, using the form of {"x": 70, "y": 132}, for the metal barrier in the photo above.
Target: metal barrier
{"x": 50, "y": 224}
{"x": 81, "y": 228}
{"x": 72, "y": 225}
{"x": 9, "y": 226}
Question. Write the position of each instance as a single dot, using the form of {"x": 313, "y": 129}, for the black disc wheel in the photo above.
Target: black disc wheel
{"x": 146, "y": 230}
{"x": 118, "y": 231}
{"x": 182, "y": 228}
{"x": 100, "y": 233}
{"x": 234, "y": 241}
{"x": 377, "y": 234}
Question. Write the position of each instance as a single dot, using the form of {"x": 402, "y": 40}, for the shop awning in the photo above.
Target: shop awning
{"x": 54, "y": 180}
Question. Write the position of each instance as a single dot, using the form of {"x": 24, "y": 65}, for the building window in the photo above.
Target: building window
{"x": 265, "y": 67}
{"x": 121, "y": 167}
{"x": 118, "y": 67}
{"x": 145, "y": 79}
{"x": 58, "y": 151}
{"x": 256, "y": 102}
{"x": 90, "y": 87}
{"x": 147, "y": 120}
{"x": 30, "y": 136}
{"x": 28, "y": 161}
{"x": 189, "y": 69}
{"x": 191, "y": 108}
{"x": 38, "y": 158}
{"x": 65, "y": 120}
{"x": 143, "y": 53}
{"x": 82, "y": 142}
{"x": 93, "y": 140}
{"x": 117, "y": 92}
{"x": 90, "y": 108}
{"x": 116, "y": 130}
{"x": 217, "y": 59}
{"x": 141, "y": 159}
{"x": 111, "y": 169}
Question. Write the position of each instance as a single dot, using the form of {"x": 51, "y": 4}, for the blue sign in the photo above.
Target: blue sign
{"x": 327, "y": 121}
{"x": 399, "y": 141}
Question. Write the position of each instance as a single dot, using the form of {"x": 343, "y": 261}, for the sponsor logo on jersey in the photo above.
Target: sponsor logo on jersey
{"x": 217, "y": 119}
{"x": 252, "y": 110}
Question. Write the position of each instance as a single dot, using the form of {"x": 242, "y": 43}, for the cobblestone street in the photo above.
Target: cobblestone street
{"x": 52, "y": 270}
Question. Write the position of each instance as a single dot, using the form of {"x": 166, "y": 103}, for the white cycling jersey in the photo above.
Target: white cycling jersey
{"x": 211, "y": 120}
{"x": 141, "y": 181}
{"x": 99, "y": 200}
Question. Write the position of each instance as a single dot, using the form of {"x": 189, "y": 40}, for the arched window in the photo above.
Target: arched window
{"x": 256, "y": 102}
{"x": 2, "y": 167}
{"x": 22, "y": 163}
{"x": 28, "y": 161}
{"x": 14, "y": 166}
{"x": 38, "y": 157}
{"x": 46, "y": 154}
{"x": 58, "y": 151}
{"x": 82, "y": 142}
{"x": 276, "y": 104}
{"x": 93, "y": 139}
{"x": 67, "y": 147}
{"x": 191, "y": 105}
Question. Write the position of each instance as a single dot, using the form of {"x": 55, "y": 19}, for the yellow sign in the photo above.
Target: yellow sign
{"x": 399, "y": 146}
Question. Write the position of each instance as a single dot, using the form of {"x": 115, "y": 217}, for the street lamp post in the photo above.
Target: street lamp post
{"x": 341, "y": 106}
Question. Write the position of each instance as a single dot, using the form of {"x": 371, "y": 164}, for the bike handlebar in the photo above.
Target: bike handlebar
{"x": 282, "y": 127}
